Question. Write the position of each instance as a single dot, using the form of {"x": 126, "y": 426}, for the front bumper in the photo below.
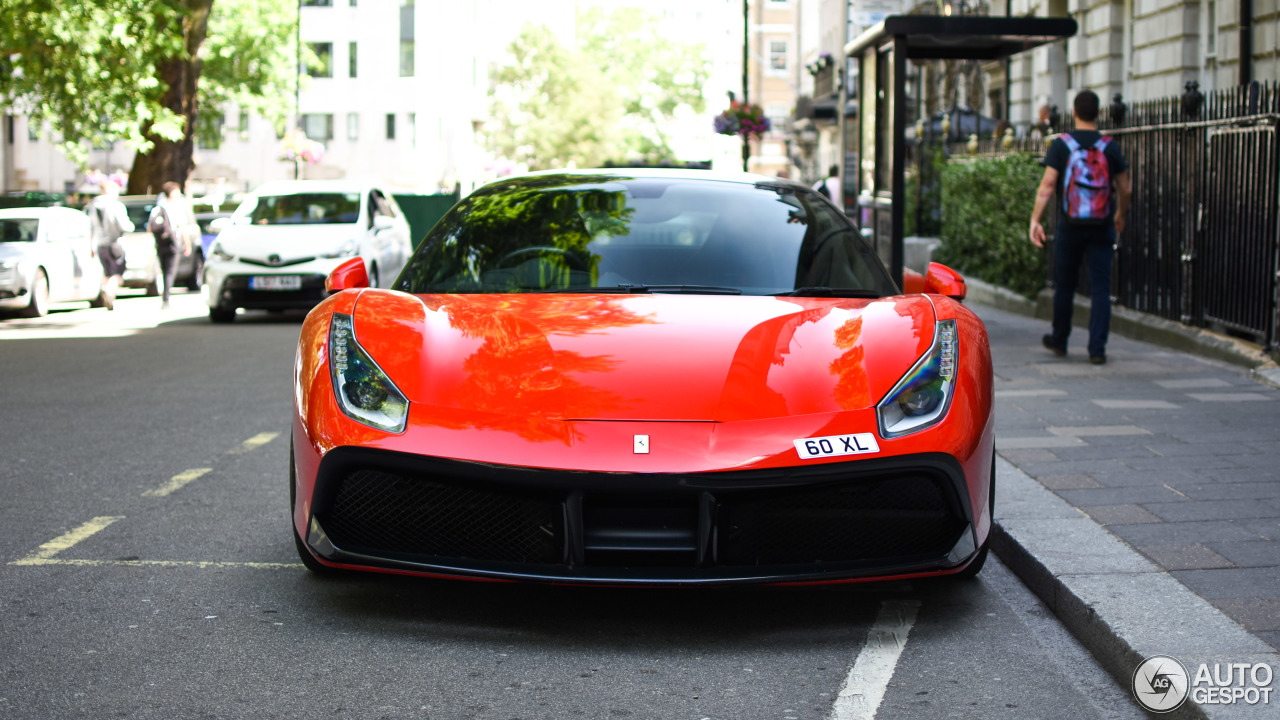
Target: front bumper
{"x": 226, "y": 284}
{"x": 885, "y": 517}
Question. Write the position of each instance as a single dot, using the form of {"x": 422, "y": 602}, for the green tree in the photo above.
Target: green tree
{"x": 141, "y": 71}
{"x": 614, "y": 95}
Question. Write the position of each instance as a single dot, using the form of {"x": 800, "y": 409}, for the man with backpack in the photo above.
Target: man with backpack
{"x": 1091, "y": 178}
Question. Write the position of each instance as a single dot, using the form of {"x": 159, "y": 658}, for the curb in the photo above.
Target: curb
{"x": 1138, "y": 326}
{"x": 1119, "y": 605}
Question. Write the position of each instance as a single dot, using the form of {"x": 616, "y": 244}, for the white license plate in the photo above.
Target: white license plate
{"x": 835, "y": 445}
{"x": 275, "y": 282}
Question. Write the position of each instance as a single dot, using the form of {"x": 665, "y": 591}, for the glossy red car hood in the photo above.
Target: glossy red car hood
{"x": 643, "y": 357}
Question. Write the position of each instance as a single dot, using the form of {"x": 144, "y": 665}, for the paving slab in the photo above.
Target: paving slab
{"x": 1174, "y": 545}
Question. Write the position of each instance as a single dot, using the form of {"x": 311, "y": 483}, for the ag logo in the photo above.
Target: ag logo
{"x": 1160, "y": 684}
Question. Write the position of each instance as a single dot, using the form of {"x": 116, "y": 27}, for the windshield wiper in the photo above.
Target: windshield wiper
{"x": 629, "y": 288}
{"x": 821, "y": 291}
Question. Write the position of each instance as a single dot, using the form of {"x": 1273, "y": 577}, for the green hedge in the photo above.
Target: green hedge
{"x": 986, "y": 209}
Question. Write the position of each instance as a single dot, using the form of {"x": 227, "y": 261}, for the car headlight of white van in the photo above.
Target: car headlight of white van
{"x": 348, "y": 249}
{"x": 363, "y": 390}
{"x": 921, "y": 398}
{"x": 219, "y": 254}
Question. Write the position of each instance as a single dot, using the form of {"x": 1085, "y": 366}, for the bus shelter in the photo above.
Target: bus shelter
{"x": 881, "y": 55}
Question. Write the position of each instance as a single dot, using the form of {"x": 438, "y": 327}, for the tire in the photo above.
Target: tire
{"x": 197, "y": 267}
{"x": 308, "y": 560}
{"x": 222, "y": 314}
{"x": 39, "y": 305}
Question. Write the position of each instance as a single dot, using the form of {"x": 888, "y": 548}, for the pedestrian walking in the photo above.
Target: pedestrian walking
{"x": 1091, "y": 179}
{"x": 829, "y": 186}
{"x": 170, "y": 224}
{"x": 108, "y": 221}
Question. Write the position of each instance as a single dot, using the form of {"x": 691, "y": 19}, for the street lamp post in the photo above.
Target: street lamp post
{"x": 746, "y": 97}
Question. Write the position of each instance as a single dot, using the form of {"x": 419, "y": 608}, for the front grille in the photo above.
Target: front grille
{"x": 895, "y": 518}
{"x": 379, "y": 513}
{"x": 236, "y": 292}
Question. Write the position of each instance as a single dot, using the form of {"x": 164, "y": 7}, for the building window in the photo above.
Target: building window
{"x": 353, "y": 126}
{"x": 319, "y": 3}
{"x": 406, "y": 39}
{"x": 391, "y": 126}
{"x": 413, "y": 130}
{"x": 33, "y": 130}
{"x": 1211, "y": 28}
{"x": 318, "y": 126}
{"x": 322, "y": 66}
{"x": 351, "y": 59}
{"x": 778, "y": 55}
{"x": 243, "y": 125}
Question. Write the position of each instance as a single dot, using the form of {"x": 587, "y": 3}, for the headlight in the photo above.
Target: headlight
{"x": 364, "y": 392}
{"x": 348, "y": 249}
{"x": 922, "y": 396}
{"x": 219, "y": 254}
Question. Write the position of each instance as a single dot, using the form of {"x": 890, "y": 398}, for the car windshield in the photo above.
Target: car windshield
{"x": 585, "y": 233}
{"x": 313, "y": 208}
{"x": 18, "y": 229}
{"x": 139, "y": 213}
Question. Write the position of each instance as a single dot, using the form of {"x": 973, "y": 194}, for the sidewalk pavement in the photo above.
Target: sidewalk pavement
{"x": 1141, "y": 499}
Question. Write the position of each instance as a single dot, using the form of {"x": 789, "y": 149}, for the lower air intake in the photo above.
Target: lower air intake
{"x": 381, "y": 513}
{"x": 895, "y": 519}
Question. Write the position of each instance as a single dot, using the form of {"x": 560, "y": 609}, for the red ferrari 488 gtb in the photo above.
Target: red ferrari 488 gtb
{"x": 644, "y": 377}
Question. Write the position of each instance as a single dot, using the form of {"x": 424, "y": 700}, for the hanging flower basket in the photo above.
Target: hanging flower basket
{"x": 295, "y": 147}
{"x": 742, "y": 119}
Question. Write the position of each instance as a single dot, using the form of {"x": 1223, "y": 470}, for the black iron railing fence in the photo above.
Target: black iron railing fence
{"x": 1202, "y": 242}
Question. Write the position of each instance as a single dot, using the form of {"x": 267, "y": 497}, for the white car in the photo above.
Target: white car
{"x": 46, "y": 256}
{"x": 276, "y": 249}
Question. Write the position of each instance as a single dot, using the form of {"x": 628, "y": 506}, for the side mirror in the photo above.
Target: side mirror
{"x": 348, "y": 275}
{"x": 217, "y": 225}
{"x": 943, "y": 280}
{"x": 382, "y": 222}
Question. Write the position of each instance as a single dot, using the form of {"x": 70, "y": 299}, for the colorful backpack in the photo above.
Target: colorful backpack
{"x": 1087, "y": 184}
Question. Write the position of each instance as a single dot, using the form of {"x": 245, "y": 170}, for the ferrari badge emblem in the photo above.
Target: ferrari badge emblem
{"x": 642, "y": 445}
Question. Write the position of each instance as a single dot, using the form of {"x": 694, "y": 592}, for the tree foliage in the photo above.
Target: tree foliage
{"x": 612, "y": 96}
{"x": 141, "y": 71}
{"x": 985, "y": 206}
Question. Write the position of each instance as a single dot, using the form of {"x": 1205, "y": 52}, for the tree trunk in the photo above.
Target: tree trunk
{"x": 169, "y": 160}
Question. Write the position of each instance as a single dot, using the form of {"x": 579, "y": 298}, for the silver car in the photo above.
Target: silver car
{"x": 46, "y": 256}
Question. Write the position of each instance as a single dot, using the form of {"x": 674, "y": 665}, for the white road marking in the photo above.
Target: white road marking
{"x": 45, "y": 554}
{"x": 864, "y": 689}
{"x": 254, "y": 442}
{"x": 176, "y": 482}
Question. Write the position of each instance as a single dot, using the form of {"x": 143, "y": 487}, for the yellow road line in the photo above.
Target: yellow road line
{"x": 254, "y": 442}
{"x": 44, "y": 555}
{"x": 35, "y": 560}
{"x": 176, "y": 482}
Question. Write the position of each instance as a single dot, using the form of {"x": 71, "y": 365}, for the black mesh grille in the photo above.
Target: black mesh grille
{"x": 377, "y": 512}
{"x": 895, "y": 519}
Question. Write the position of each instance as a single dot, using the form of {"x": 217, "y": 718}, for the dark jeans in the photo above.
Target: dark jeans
{"x": 168, "y": 268}
{"x": 1071, "y": 248}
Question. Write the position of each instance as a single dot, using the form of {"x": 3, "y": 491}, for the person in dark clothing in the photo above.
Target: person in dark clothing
{"x": 168, "y": 227}
{"x": 1091, "y": 178}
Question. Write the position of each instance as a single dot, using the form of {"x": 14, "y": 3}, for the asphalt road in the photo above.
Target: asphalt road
{"x": 147, "y": 571}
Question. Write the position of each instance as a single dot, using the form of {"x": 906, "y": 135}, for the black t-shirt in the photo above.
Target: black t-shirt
{"x": 1058, "y": 154}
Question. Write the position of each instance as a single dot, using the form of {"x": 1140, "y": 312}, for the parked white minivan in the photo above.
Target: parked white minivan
{"x": 276, "y": 249}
